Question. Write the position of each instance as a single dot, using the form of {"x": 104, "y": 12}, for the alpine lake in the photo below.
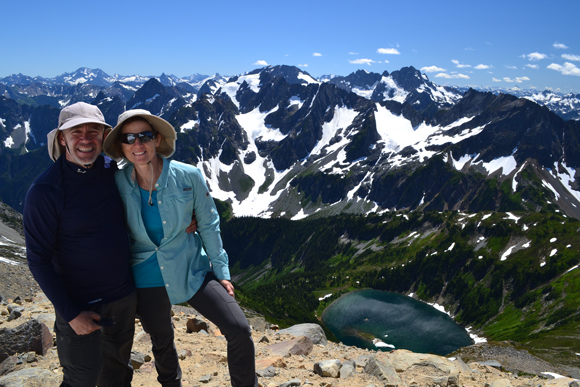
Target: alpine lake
{"x": 381, "y": 320}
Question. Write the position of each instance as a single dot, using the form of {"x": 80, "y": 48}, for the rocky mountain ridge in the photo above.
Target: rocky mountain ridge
{"x": 276, "y": 142}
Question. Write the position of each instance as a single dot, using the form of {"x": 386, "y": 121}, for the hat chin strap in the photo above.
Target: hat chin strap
{"x": 150, "y": 183}
{"x": 71, "y": 155}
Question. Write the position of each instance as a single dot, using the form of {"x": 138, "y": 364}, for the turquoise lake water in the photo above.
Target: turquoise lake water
{"x": 399, "y": 321}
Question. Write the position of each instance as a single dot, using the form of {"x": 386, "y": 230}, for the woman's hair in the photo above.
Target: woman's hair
{"x": 119, "y": 145}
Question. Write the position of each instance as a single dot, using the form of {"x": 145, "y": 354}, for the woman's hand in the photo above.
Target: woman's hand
{"x": 228, "y": 286}
{"x": 193, "y": 225}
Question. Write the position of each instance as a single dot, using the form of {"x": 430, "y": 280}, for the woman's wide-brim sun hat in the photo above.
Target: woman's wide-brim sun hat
{"x": 70, "y": 116}
{"x": 168, "y": 135}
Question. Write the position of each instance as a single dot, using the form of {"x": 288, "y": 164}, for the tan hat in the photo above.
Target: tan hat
{"x": 165, "y": 148}
{"x": 76, "y": 114}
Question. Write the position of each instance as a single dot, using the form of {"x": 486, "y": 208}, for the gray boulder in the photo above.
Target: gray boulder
{"x": 299, "y": 346}
{"x": 30, "y": 336}
{"x": 328, "y": 368}
{"x": 312, "y": 331}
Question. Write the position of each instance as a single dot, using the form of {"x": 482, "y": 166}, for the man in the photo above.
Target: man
{"x": 78, "y": 252}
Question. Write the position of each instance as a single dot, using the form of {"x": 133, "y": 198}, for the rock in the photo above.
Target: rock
{"x": 258, "y": 324}
{"x": 8, "y": 365}
{"x": 138, "y": 359}
{"x": 15, "y": 312}
{"x": 312, "y": 331}
{"x": 205, "y": 379}
{"x": 292, "y": 383}
{"x": 196, "y": 325}
{"x": 30, "y": 336}
{"x": 348, "y": 369}
{"x": 270, "y": 362}
{"x": 328, "y": 368}
{"x": 264, "y": 339}
{"x": 298, "y": 346}
{"x": 46, "y": 319}
{"x": 30, "y": 377}
{"x": 402, "y": 360}
{"x": 462, "y": 367}
{"x": 383, "y": 371}
{"x": 561, "y": 382}
{"x": 268, "y": 372}
{"x": 501, "y": 383}
{"x": 491, "y": 363}
{"x": 184, "y": 353}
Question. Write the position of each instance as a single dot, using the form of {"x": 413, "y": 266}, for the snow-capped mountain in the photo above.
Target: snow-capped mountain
{"x": 278, "y": 142}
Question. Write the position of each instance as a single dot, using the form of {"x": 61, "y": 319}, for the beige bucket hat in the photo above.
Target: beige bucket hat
{"x": 70, "y": 116}
{"x": 165, "y": 148}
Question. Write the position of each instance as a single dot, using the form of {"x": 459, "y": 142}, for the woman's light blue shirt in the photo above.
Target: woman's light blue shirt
{"x": 184, "y": 259}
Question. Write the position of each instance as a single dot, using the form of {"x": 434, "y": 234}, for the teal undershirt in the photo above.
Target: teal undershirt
{"x": 147, "y": 274}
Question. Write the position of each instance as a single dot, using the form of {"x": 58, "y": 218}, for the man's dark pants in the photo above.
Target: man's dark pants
{"x": 103, "y": 357}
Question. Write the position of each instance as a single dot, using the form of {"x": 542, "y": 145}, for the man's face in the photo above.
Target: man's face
{"x": 83, "y": 143}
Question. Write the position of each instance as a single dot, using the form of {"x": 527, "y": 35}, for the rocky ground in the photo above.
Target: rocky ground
{"x": 204, "y": 359}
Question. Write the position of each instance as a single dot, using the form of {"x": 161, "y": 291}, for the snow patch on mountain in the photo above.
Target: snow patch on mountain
{"x": 398, "y": 94}
{"x": 342, "y": 119}
{"x": 231, "y": 88}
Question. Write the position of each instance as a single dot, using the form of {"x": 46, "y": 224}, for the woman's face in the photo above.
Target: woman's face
{"x": 139, "y": 153}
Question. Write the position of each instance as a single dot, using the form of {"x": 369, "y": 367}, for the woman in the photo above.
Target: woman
{"x": 169, "y": 265}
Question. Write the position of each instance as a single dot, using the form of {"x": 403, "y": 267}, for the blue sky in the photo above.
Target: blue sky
{"x": 528, "y": 44}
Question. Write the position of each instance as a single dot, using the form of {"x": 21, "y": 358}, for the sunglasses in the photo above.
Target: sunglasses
{"x": 130, "y": 138}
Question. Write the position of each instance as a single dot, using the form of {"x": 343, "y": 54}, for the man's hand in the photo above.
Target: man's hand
{"x": 85, "y": 323}
{"x": 193, "y": 225}
{"x": 228, "y": 286}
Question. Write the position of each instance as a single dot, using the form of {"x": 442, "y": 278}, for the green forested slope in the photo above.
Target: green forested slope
{"x": 508, "y": 275}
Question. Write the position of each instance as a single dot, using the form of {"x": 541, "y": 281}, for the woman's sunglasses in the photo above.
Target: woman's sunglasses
{"x": 129, "y": 138}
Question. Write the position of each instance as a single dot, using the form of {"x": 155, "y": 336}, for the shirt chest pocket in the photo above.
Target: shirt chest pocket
{"x": 179, "y": 199}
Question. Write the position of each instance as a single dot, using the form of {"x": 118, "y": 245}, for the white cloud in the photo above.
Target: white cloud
{"x": 317, "y": 54}
{"x": 459, "y": 65}
{"x": 469, "y": 49}
{"x": 532, "y": 66}
{"x": 391, "y": 51}
{"x": 432, "y": 69}
{"x": 353, "y": 53}
{"x": 482, "y": 67}
{"x": 517, "y": 80}
{"x": 560, "y": 45}
{"x": 574, "y": 58}
{"x": 261, "y": 63}
{"x": 511, "y": 67}
{"x": 567, "y": 69}
{"x": 450, "y": 76}
{"x": 535, "y": 56}
{"x": 303, "y": 65}
{"x": 496, "y": 80}
{"x": 362, "y": 61}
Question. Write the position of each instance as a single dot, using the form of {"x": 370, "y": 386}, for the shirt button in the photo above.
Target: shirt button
{"x": 161, "y": 267}
{"x": 167, "y": 285}
{"x": 159, "y": 202}
{"x": 157, "y": 249}
{"x": 164, "y": 222}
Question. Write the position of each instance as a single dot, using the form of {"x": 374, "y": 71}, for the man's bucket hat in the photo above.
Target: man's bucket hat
{"x": 76, "y": 114}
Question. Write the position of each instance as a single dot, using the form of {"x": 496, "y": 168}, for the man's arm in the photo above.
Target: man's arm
{"x": 40, "y": 220}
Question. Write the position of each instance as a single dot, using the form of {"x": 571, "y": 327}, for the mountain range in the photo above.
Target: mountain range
{"x": 276, "y": 142}
{"x": 468, "y": 198}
